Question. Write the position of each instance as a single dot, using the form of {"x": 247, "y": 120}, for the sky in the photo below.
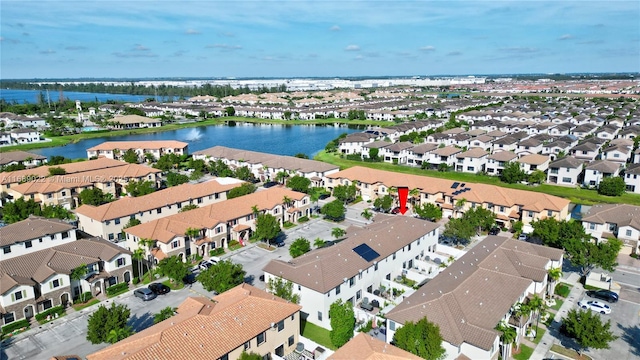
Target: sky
{"x": 237, "y": 38}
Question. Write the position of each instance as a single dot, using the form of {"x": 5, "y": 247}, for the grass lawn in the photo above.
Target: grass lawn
{"x": 81, "y": 306}
{"x": 539, "y": 333}
{"x": 558, "y": 304}
{"x": 563, "y": 289}
{"x": 118, "y": 293}
{"x": 525, "y": 353}
{"x": 568, "y": 352}
{"x": 316, "y": 333}
{"x": 173, "y": 286}
{"x": 266, "y": 247}
{"x": 575, "y": 195}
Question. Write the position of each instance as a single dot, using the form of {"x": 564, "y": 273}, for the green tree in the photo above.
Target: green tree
{"x": 57, "y": 171}
{"x": 374, "y": 153}
{"x": 244, "y": 189}
{"x": 116, "y": 335}
{"x": 334, "y": 210}
{"x": 20, "y": 209}
{"x": 421, "y": 338}
{"x": 537, "y": 177}
{"x": 77, "y": 274}
{"x": 588, "y": 329}
{"x": 174, "y": 178}
{"x": 243, "y": 173}
{"x": 281, "y": 176}
{"x": 130, "y": 156}
{"x": 139, "y": 188}
{"x": 337, "y": 232}
{"x": 167, "y": 162}
{"x": 383, "y": 203}
{"x": 367, "y": 214}
{"x": 554, "y": 274}
{"x": 517, "y": 227}
{"x": 480, "y": 218}
{"x": 507, "y": 338}
{"x": 587, "y": 254}
{"x": 548, "y": 231}
{"x": 230, "y": 110}
{"x": 222, "y": 276}
{"x": 612, "y": 186}
{"x": 250, "y": 356}
{"x": 521, "y": 311}
{"x": 174, "y": 268}
{"x": 318, "y": 243}
{"x": 219, "y": 168}
{"x": 267, "y": 228}
{"x": 299, "y": 247}
{"x": 164, "y": 314}
{"x": 301, "y": 156}
{"x": 512, "y": 173}
{"x": 345, "y": 193}
{"x": 428, "y": 211}
{"x": 188, "y": 207}
{"x": 282, "y": 288}
{"x": 459, "y": 229}
{"x": 537, "y": 305}
{"x": 103, "y": 320}
{"x": 138, "y": 257}
{"x": 299, "y": 183}
{"x": 131, "y": 223}
{"x": 94, "y": 196}
{"x": 343, "y": 322}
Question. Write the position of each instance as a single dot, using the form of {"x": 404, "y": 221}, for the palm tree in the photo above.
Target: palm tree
{"x": 460, "y": 204}
{"x": 138, "y": 256}
{"x": 77, "y": 275}
{"x": 393, "y": 192}
{"x": 367, "y": 214}
{"x": 537, "y": 304}
{"x": 255, "y": 211}
{"x": 149, "y": 243}
{"x": 318, "y": 242}
{"x": 507, "y": 338}
{"x": 554, "y": 275}
{"x": 520, "y": 310}
{"x": 280, "y": 176}
{"x": 116, "y": 335}
{"x": 164, "y": 314}
{"x": 287, "y": 201}
{"x": 337, "y": 232}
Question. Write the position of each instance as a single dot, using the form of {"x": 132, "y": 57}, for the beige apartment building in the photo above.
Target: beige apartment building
{"x": 157, "y": 148}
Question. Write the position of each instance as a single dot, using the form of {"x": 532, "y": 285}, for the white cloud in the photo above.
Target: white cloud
{"x": 192, "y": 32}
{"x": 565, "y": 37}
{"x": 352, "y": 48}
{"x": 335, "y": 28}
{"x": 224, "y": 47}
{"x": 359, "y": 57}
{"x": 140, "y": 47}
{"x": 428, "y": 48}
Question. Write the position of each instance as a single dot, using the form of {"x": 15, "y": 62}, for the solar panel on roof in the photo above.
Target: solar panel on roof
{"x": 366, "y": 252}
{"x": 462, "y": 185}
{"x": 455, "y": 185}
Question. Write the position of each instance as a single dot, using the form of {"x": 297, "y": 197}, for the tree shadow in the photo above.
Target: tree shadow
{"x": 555, "y": 329}
{"x": 6, "y": 343}
{"x": 139, "y": 323}
{"x": 630, "y": 335}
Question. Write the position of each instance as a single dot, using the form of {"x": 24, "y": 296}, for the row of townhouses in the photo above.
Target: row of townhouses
{"x": 156, "y": 148}
{"x": 23, "y": 158}
{"x": 37, "y": 258}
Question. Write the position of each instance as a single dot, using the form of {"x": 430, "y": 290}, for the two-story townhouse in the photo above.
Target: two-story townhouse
{"x": 497, "y": 161}
{"x": 33, "y": 234}
{"x": 157, "y": 148}
{"x": 528, "y": 147}
{"x": 632, "y": 178}
{"x": 472, "y": 161}
{"x": 469, "y": 298}
{"x": 507, "y": 143}
{"x": 565, "y": 171}
{"x": 134, "y": 122}
{"x": 241, "y": 320}
{"x": 622, "y": 221}
{"x": 444, "y": 156}
{"x": 5, "y": 138}
{"x": 356, "y": 267}
{"x": 597, "y": 170}
{"x": 619, "y": 154}
{"x": 533, "y": 162}
{"x": 25, "y": 136}
{"x": 481, "y": 141}
{"x": 18, "y": 157}
{"x": 109, "y": 219}
{"x": 378, "y": 145}
{"x": 587, "y": 150}
{"x": 366, "y": 347}
{"x": 39, "y": 280}
{"x": 607, "y": 132}
{"x": 562, "y": 129}
{"x": 584, "y": 130}
{"x": 216, "y": 224}
{"x": 397, "y": 153}
{"x": 352, "y": 143}
{"x": 419, "y": 154}
{"x": 629, "y": 132}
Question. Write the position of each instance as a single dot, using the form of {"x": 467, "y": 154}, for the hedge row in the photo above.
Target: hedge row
{"x": 117, "y": 288}
{"x": 15, "y": 326}
{"x": 51, "y": 311}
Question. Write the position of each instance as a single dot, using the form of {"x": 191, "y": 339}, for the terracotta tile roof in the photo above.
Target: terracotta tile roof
{"x": 39, "y": 265}
{"x": 324, "y": 269}
{"x": 366, "y": 347}
{"x": 167, "y": 228}
{"x": 18, "y": 155}
{"x": 470, "y": 297}
{"x": 33, "y": 227}
{"x": 151, "y": 144}
{"x": 177, "y": 194}
{"x": 204, "y": 329}
{"x": 71, "y": 168}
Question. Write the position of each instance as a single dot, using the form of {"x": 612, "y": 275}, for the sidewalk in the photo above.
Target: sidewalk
{"x": 548, "y": 339}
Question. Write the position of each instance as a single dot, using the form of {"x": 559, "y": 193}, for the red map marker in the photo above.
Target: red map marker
{"x": 403, "y": 193}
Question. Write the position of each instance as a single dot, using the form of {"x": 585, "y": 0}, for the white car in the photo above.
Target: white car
{"x": 595, "y": 305}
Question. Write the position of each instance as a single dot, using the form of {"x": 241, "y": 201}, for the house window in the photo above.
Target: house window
{"x": 111, "y": 236}
{"x": 17, "y": 295}
{"x": 117, "y": 221}
{"x": 290, "y": 341}
{"x": 549, "y": 213}
{"x": 28, "y": 244}
{"x": 337, "y": 289}
{"x": 530, "y": 214}
{"x": 375, "y": 267}
{"x": 159, "y": 211}
{"x": 179, "y": 205}
{"x": 49, "y": 196}
{"x": 358, "y": 294}
{"x": 47, "y": 304}
{"x": 247, "y": 345}
{"x": 56, "y": 283}
{"x": 628, "y": 232}
{"x": 352, "y": 281}
{"x": 64, "y": 193}
{"x": 121, "y": 262}
{"x": 262, "y": 337}
{"x": 319, "y": 315}
{"x": 199, "y": 200}
{"x": 501, "y": 209}
{"x": 566, "y": 180}
{"x": 280, "y": 325}
{"x": 175, "y": 244}
{"x": 394, "y": 256}
{"x": 65, "y": 235}
{"x": 9, "y": 318}
{"x": 224, "y": 357}
{"x": 392, "y": 326}
{"x": 592, "y": 226}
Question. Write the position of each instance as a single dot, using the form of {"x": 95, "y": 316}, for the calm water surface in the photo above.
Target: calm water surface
{"x": 31, "y": 96}
{"x": 274, "y": 139}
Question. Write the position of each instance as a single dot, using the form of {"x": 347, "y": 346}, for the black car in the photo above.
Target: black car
{"x": 269, "y": 184}
{"x": 323, "y": 196}
{"x": 494, "y": 231}
{"x": 189, "y": 279}
{"x": 159, "y": 289}
{"x": 606, "y": 295}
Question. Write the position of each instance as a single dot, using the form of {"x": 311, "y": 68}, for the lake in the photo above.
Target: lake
{"x": 31, "y": 96}
{"x": 273, "y": 139}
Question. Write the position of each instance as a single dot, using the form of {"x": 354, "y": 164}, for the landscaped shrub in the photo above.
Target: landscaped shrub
{"x": 303, "y": 219}
{"x": 135, "y": 280}
{"x": 15, "y": 326}
{"x": 111, "y": 290}
{"x": 86, "y": 297}
{"x": 52, "y": 311}
{"x": 563, "y": 290}
{"x": 216, "y": 252}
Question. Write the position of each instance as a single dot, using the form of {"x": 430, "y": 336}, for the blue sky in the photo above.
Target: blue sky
{"x": 236, "y": 38}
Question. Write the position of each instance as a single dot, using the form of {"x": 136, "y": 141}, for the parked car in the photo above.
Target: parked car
{"x": 145, "y": 294}
{"x": 204, "y": 265}
{"x": 522, "y": 237}
{"x": 159, "y": 289}
{"x": 189, "y": 279}
{"x": 395, "y": 210}
{"x": 606, "y": 295}
{"x": 323, "y": 196}
{"x": 279, "y": 242}
{"x": 494, "y": 231}
{"x": 595, "y": 305}
{"x": 269, "y": 184}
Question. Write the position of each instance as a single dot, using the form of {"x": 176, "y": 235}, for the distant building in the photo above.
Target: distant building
{"x": 117, "y": 149}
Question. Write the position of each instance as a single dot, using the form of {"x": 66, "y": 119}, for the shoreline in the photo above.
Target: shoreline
{"x": 63, "y": 140}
